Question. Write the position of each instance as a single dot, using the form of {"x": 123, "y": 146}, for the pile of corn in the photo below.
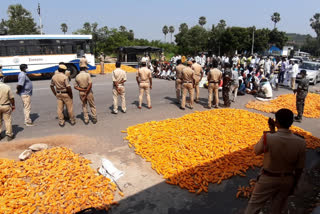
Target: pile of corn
{"x": 52, "y": 181}
{"x": 311, "y": 108}
{"x": 108, "y": 68}
{"x": 203, "y": 147}
{"x": 246, "y": 191}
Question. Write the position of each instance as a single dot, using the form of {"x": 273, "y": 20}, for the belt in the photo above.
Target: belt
{"x": 187, "y": 82}
{"x": 62, "y": 92}
{"x": 213, "y": 82}
{"x": 274, "y": 174}
{"x": 5, "y": 104}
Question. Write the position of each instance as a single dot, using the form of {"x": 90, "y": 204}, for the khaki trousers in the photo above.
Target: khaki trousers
{"x": 275, "y": 188}
{"x": 121, "y": 93}
{"x": 144, "y": 87}
{"x": 26, "y": 100}
{"x": 293, "y": 83}
{"x": 197, "y": 88}
{"x": 178, "y": 89}
{"x": 5, "y": 114}
{"x": 213, "y": 88}
{"x": 187, "y": 87}
{"x": 64, "y": 99}
{"x": 85, "y": 101}
{"x": 102, "y": 67}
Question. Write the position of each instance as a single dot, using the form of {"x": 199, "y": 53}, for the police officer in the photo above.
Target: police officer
{"x": 198, "y": 74}
{"x": 144, "y": 80}
{"x": 61, "y": 88}
{"x": 101, "y": 59}
{"x": 179, "y": 69}
{"x": 282, "y": 168}
{"x": 214, "y": 79}
{"x": 7, "y": 105}
{"x": 83, "y": 84}
{"x": 119, "y": 77}
{"x": 67, "y": 72}
{"x": 227, "y": 82}
{"x": 83, "y": 62}
{"x": 302, "y": 92}
{"x": 188, "y": 82}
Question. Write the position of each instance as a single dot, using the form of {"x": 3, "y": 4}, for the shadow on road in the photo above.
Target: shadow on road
{"x": 16, "y": 129}
{"x": 34, "y": 116}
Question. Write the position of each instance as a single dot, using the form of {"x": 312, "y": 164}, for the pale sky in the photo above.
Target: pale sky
{"x": 147, "y": 17}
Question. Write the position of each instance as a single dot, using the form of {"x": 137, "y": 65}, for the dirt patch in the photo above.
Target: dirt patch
{"x": 78, "y": 143}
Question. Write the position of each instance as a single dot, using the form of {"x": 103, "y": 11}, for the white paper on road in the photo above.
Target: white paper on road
{"x": 109, "y": 170}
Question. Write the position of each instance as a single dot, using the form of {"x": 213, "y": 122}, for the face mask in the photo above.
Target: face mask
{"x": 27, "y": 70}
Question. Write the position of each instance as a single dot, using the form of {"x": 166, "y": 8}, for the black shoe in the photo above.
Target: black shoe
{"x": 94, "y": 121}
{"x": 10, "y": 138}
{"x": 114, "y": 112}
{"x": 86, "y": 122}
{"x": 73, "y": 123}
{"x": 297, "y": 119}
{"x": 182, "y": 108}
{"x": 61, "y": 124}
{"x": 124, "y": 111}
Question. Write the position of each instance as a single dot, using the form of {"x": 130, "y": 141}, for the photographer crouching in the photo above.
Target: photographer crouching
{"x": 284, "y": 160}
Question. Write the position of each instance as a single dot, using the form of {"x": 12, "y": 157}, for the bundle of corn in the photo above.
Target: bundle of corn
{"x": 203, "y": 147}
{"x": 311, "y": 109}
{"x": 246, "y": 191}
{"x": 108, "y": 68}
{"x": 52, "y": 181}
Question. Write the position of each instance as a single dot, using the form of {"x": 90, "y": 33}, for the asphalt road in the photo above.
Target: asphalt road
{"x": 146, "y": 191}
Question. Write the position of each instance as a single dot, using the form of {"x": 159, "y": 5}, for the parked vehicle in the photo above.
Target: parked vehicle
{"x": 313, "y": 71}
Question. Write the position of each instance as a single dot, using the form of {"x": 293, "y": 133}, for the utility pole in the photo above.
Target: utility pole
{"x": 40, "y": 21}
{"x": 253, "y": 29}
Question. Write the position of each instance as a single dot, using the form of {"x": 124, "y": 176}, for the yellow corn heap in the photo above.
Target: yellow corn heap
{"x": 311, "y": 108}
{"x": 52, "y": 181}
{"x": 203, "y": 147}
{"x": 108, "y": 68}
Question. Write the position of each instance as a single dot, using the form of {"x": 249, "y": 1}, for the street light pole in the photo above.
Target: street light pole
{"x": 40, "y": 21}
{"x": 252, "y": 39}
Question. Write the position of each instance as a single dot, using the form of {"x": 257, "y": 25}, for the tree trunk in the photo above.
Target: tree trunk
{"x": 171, "y": 37}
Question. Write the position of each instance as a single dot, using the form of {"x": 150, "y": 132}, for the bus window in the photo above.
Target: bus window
{"x": 3, "y": 51}
{"x": 12, "y": 51}
{"x": 33, "y": 50}
{"x": 88, "y": 48}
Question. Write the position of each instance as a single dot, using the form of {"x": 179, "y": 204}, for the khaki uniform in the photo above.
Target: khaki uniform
{"x": 179, "y": 69}
{"x": 5, "y": 108}
{"x": 83, "y": 80}
{"x": 187, "y": 85}
{"x": 214, "y": 78}
{"x": 197, "y": 75}
{"x": 83, "y": 62}
{"x": 144, "y": 74}
{"x": 118, "y": 76}
{"x": 60, "y": 82}
{"x": 283, "y": 154}
{"x": 101, "y": 58}
{"x": 67, "y": 73}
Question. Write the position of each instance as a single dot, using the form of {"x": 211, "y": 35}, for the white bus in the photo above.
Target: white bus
{"x": 42, "y": 53}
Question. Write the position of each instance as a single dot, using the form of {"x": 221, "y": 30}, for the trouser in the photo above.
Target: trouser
{"x": 178, "y": 89}
{"x": 300, "y": 105}
{"x": 89, "y": 99}
{"x": 26, "y": 100}
{"x": 281, "y": 77}
{"x": 5, "y": 114}
{"x": 262, "y": 95}
{"x": 275, "y": 188}
{"x": 213, "y": 88}
{"x": 225, "y": 95}
{"x": 64, "y": 99}
{"x": 293, "y": 83}
{"x": 102, "y": 67}
{"x": 121, "y": 91}
{"x": 187, "y": 87}
{"x": 144, "y": 87}
{"x": 197, "y": 88}
{"x": 234, "y": 90}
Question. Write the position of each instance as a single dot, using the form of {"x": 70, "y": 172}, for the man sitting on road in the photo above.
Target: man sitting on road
{"x": 265, "y": 90}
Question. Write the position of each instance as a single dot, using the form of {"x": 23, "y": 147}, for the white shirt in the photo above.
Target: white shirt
{"x": 295, "y": 70}
{"x": 267, "y": 89}
{"x": 267, "y": 66}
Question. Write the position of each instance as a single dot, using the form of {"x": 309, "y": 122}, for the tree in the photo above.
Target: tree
{"x": 202, "y": 21}
{"x": 277, "y": 38}
{"x": 165, "y": 31}
{"x": 64, "y": 28}
{"x": 315, "y": 24}
{"x": 171, "y": 31}
{"x": 275, "y": 18}
{"x": 122, "y": 28}
{"x": 20, "y": 21}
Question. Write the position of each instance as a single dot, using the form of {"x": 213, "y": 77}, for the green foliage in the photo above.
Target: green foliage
{"x": 202, "y": 21}
{"x": 275, "y": 18}
{"x": 20, "y": 21}
{"x": 315, "y": 24}
{"x": 165, "y": 31}
{"x": 312, "y": 46}
{"x": 64, "y": 28}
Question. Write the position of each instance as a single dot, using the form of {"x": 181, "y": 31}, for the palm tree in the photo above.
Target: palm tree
{"x": 64, "y": 28}
{"x": 183, "y": 27}
{"x": 122, "y": 28}
{"x": 165, "y": 31}
{"x": 202, "y": 21}
{"x": 171, "y": 31}
{"x": 315, "y": 24}
{"x": 275, "y": 18}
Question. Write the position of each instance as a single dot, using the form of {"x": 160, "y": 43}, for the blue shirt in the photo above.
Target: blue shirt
{"x": 26, "y": 84}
